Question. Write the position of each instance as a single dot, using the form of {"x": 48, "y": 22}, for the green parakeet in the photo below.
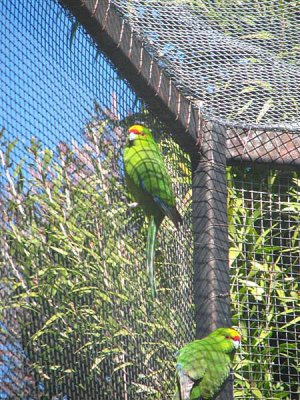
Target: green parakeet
{"x": 204, "y": 365}
{"x": 149, "y": 183}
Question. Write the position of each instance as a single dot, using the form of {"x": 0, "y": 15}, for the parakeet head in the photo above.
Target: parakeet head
{"x": 139, "y": 132}
{"x": 228, "y": 335}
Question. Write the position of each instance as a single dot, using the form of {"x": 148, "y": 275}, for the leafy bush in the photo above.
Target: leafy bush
{"x": 264, "y": 256}
{"x": 75, "y": 251}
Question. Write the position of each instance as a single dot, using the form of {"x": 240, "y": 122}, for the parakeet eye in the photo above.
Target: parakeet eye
{"x": 227, "y": 337}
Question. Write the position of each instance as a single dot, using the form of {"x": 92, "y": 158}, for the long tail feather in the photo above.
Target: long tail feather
{"x": 177, "y": 395}
{"x": 152, "y": 229}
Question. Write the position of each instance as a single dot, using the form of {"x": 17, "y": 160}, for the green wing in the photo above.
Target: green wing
{"x": 190, "y": 369}
{"x": 202, "y": 367}
{"x": 149, "y": 181}
{"x": 218, "y": 370}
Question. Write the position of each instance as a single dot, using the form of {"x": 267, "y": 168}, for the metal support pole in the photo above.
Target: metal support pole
{"x": 211, "y": 271}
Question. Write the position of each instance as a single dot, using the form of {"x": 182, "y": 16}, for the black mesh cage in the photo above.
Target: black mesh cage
{"x": 264, "y": 263}
{"x": 218, "y": 84}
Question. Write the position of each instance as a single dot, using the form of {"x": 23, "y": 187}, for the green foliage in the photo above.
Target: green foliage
{"x": 265, "y": 34}
{"x": 75, "y": 250}
{"x": 254, "y": 20}
{"x": 264, "y": 256}
{"x": 74, "y": 262}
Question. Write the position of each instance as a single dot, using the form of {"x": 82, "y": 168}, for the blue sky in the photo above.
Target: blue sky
{"x": 48, "y": 87}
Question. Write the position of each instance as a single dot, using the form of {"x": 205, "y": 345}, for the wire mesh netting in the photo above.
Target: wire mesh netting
{"x": 77, "y": 317}
{"x": 264, "y": 260}
{"x": 238, "y": 60}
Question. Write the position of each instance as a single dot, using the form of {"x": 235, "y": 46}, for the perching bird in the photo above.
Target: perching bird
{"x": 149, "y": 183}
{"x": 204, "y": 365}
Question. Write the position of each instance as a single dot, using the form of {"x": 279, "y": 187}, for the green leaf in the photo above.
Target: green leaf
{"x": 74, "y": 29}
{"x": 245, "y": 107}
{"x": 59, "y": 250}
{"x": 2, "y": 131}
{"x": 50, "y": 321}
{"x": 123, "y": 366}
{"x": 257, "y": 393}
{"x": 261, "y": 35}
{"x": 9, "y": 149}
{"x": 266, "y": 107}
{"x": 293, "y": 322}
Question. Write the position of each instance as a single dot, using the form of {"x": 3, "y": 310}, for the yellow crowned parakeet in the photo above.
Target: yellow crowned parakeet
{"x": 204, "y": 365}
{"x": 149, "y": 183}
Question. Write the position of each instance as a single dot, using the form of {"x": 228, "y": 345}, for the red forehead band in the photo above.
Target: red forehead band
{"x": 136, "y": 131}
{"x": 236, "y": 338}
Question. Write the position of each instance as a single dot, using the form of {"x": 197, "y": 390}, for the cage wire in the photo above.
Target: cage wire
{"x": 237, "y": 60}
{"x": 263, "y": 209}
{"x": 77, "y": 317}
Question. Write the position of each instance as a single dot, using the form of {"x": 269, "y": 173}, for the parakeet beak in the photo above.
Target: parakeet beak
{"x": 132, "y": 136}
{"x": 236, "y": 344}
{"x": 133, "y": 133}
